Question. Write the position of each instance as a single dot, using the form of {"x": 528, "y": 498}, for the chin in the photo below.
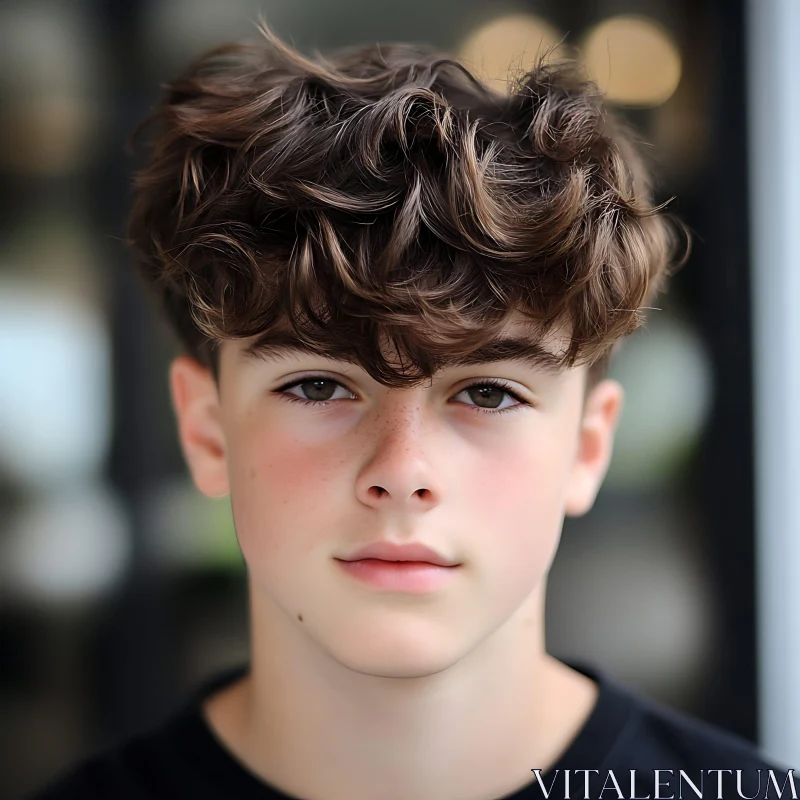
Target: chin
{"x": 396, "y": 665}
{"x": 395, "y": 653}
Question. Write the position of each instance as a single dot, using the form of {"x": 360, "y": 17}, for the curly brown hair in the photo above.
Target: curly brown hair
{"x": 385, "y": 194}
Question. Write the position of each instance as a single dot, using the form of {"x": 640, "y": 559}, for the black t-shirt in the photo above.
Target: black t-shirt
{"x": 182, "y": 758}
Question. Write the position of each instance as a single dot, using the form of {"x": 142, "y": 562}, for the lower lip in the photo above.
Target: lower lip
{"x": 402, "y": 576}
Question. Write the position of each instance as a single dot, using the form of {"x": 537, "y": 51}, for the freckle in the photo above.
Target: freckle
{"x": 253, "y": 473}
{"x": 300, "y": 617}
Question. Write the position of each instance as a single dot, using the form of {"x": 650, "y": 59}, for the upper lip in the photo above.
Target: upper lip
{"x": 386, "y": 551}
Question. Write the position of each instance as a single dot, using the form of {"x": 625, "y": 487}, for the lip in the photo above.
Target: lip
{"x": 416, "y": 577}
{"x": 412, "y": 567}
{"x": 387, "y": 551}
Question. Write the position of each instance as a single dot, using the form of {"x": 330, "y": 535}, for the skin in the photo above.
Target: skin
{"x": 357, "y": 692}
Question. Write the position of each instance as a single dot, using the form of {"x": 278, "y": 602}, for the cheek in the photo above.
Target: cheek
{"x": 519, "y": 499}
{"x": 279, "y": 486}
{"x": 522, "y": 477}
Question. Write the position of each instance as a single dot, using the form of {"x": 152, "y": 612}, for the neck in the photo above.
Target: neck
{"x": 312, "y": 727}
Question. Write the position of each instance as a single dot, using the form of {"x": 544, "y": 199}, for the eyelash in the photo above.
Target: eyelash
{"x": 486, "y": 383}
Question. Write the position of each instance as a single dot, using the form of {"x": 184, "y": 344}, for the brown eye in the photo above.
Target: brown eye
{"x": 490, "y": 395}
{"x": 318, "y": 390}
{"x": 315, "y": 389}
{"x": 485, "y": 397}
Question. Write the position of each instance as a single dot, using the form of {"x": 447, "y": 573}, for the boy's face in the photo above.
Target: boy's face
{"x": 304, "y": 483}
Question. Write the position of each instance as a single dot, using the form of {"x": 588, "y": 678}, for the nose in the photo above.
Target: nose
{"x": 399, "y": 470}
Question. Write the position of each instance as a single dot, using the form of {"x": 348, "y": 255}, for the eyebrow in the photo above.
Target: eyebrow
{"x": 533, "y": 355}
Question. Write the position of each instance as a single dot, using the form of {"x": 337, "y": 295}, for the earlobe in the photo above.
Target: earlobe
{"x": 594, "y": 446}
{"x": 195, "y": 401}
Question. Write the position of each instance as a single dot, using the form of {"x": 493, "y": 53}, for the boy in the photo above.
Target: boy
{"x": 398, "y": 291}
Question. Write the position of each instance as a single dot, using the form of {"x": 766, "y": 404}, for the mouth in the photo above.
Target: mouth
{"x": 416, "y": 577}
{"x": 389, "y": 552}
{"x": 397, "y": 561}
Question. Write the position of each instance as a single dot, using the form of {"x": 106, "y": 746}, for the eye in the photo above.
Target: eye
{"x": 317, "y": 387}
{"x": 494, "y": 392}
{"x": 321, "y": 390}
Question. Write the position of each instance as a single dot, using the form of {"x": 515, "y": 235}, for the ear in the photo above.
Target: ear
{"x": 195, "y": 400}
{"x": 601, "y": 413}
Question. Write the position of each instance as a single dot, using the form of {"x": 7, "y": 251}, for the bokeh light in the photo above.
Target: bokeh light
{"x": 498, "y": 49}
{"x": 667, "y": 376}
{"x": 50, "y": 84}
{"x": 634, "y": 60}
{"x": 67, "y": 546}
{"x": 55, "y": 414}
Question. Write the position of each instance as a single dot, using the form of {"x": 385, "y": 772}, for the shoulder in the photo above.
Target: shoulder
{"x": 118, "y": 772}
{"x": 660, "y": 737}
{"x": 176, "y": 756}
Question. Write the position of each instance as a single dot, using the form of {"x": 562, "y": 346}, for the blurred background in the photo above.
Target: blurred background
{"x": 121, "y": 586}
